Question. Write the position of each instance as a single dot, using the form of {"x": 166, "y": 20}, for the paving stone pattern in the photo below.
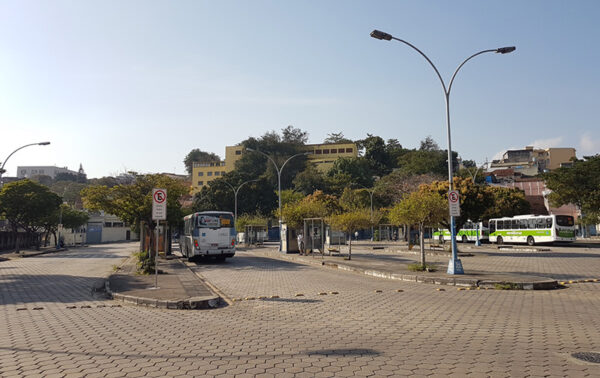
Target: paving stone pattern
{"x": 358, "y": 332}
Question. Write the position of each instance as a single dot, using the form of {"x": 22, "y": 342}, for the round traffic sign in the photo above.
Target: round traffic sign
{"x": 160, "y": 196}
{"x": 453, "y": 196}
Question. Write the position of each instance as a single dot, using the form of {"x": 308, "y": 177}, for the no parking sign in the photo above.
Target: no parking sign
{"x": 159, "y": 204}
{"x": 454, "y": 203}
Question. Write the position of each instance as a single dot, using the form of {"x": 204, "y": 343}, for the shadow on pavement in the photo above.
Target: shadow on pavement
{"x": 21, "y": 289}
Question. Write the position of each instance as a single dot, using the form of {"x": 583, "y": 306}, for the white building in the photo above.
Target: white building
{"x": 52, "y": 171}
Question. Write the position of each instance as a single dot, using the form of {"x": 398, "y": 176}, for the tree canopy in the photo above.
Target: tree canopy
{"x": 196, "y": 155}
{"x": 579, "y": 185}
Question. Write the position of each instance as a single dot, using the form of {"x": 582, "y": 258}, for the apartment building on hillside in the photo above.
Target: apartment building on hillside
{"x": 530, "y": 161}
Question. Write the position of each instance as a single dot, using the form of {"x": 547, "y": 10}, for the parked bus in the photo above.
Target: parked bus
{"x": 532, "y": 229}
{"x": 208, "y": 234}
{"x": 467, "y": 233}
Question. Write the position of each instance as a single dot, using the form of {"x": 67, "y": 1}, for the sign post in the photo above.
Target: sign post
{"x": 454, "y": 203}
{"x": 159, "y": 212}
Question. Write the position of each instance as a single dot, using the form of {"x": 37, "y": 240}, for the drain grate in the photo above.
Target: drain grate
{"x": 587, "y": 356}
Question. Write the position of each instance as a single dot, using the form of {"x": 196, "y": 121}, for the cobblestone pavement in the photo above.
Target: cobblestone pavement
{"x": 368, "y": 329}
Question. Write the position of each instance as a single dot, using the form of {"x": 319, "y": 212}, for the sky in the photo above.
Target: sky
{"x": 123, "y": 86}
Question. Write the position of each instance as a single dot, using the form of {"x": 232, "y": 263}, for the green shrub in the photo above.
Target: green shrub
{"x": 421, "y": 268}
{"x": 145, "y": 265}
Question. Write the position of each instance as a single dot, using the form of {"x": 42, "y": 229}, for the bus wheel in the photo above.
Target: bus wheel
{"x": 500, "y": 241}
{"x": 465, "y": 239}
{"x": 530, "y": 241}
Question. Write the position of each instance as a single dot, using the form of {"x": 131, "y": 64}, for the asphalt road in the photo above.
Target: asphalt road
{"x": 52, "y": 325}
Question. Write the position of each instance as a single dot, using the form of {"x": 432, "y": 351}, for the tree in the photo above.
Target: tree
{"x": 26, "y": 204}
{"x": 394, "y": 187}
{"x": 357, "y": 169}
{"x": 196, "y": 155}
{"x": 507, "y": 202}
{"x": 333, "y": 138}
{"x": 579, "y": 185}
{"x": 294, "y": 135}
{"x": 349, "y": 222}
{"x": 316, "y": 205}
{"x": 309, "y": 180}
{"x": 376, "y": 154}
{"x": 423, "y": 208}
{"x": 133, "y": 202}
{"x": 69, "y": 217}
{"x": 475, "y": 200}
{"x": 428, "y": 144}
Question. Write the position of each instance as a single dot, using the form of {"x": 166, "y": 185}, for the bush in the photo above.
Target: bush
{"x": 145, "y": 265}
{"x": 421, "y": 268}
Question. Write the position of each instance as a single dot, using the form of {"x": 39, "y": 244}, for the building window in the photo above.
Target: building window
{"x": 209, "y": 173}
{"x": 200, "y": 183}
{"x": 217, "y": 173}
{"x": 334, "y": 151}
{"x": 200, "y": 174}
{"x": 41, "y": 171}
{"x": 318, "y": 152}
{"x": 325, "y": 151}
{"x": 349, "y": 150}
{"x": 238, "y": 152}
{"x": 222, "y": 172}
{"x": 107, "y": 224}
{"x": 212, "y": 164}
{"x": 117, "y": 224}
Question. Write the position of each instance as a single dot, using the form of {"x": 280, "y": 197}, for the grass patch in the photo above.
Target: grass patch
{"x": 144, "y": 264}
{"x": 421, "y": 268}
{"x": 506, "y": 286}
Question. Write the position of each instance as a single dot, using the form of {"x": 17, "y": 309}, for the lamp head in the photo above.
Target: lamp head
{"x": 44, "y": 143}
{"x": 506, "y": 50}
{"x": 250, "y": 149}
{"x": 377, "y": 34}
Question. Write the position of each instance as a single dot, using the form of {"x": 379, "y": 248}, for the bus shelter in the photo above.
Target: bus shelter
{"x": 255, "y": 234}
{"x": 314, "y": 240}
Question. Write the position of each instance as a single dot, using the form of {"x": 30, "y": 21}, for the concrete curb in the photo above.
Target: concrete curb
{"x": 544, "y": 284}
{"x": 192, "y": 303}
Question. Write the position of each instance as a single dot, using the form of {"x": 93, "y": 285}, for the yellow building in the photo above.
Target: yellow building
{"x": 322, "y": 155}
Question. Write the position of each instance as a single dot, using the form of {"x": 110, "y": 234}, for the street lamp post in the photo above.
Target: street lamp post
{"x": 235, "y": 193}
{"x": 371, "y": 192}
{"x": 455, "y": 265}
{"x": 2, "y": 170}
{"x": 278, "y": 170}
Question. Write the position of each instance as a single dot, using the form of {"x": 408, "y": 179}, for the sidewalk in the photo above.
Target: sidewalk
{"x": 178, "y": 287}
{"x": 392, "y": 263}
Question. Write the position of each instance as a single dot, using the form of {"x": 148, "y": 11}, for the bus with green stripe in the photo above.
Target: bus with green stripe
{"x": 532, "y": 229}
{"x": 467, "y": 233}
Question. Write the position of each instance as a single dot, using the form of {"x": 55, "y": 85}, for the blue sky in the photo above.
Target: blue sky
{"x": 135, "y": 85}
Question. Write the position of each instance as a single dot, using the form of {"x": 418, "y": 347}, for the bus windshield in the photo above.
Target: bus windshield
{"x": 215, "y": 221}
{"x": 564, "y": 220}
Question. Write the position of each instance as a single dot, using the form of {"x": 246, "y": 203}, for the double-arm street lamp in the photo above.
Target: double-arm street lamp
{"x": 2, "y": 170}
{"x": 278, "y": 169}
{"x": 235, "y": 193}
{"x": 455, "y": 265}
{"x": 371, "y": 192}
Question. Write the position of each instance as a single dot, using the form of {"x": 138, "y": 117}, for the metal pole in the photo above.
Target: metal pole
{"x": 371, "y": 193}
{"x": 2, "y": 170}
{"x": 156, "y": 258}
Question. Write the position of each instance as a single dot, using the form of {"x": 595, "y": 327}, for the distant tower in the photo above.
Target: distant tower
{"x": 81, "y": 171}
{"x": 81, "y": 176}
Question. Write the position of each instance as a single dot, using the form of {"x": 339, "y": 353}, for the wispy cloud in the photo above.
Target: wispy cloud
{"x": 547, "y": 143}
{"x": 587, "y": 145}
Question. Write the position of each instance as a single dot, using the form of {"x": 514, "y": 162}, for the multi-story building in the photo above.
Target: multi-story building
{"x": 530, "y": 161}
{"x": 322, "y": 155}
{"x": 52, "y": 171}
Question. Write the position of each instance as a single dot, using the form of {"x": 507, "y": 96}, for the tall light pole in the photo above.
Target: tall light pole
{"x": 2, "y": 170}
{"x": 278, "y": 169}
{"x": 235, "y": 193}
{"x": 455, "y": 265}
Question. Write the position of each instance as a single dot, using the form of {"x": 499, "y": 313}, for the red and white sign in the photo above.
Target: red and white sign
{"x": 159, "y": 204}
{"x": 454, "y": 203}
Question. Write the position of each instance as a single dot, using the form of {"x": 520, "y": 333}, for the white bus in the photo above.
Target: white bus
{"x": 467, "y": 233}
{"x": 208, "y": 234}
{"x": 532, "y": 229}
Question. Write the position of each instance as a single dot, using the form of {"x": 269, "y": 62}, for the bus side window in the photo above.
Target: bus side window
{"x": 548, "y": 222}
{"x": 523, "y": 223}
{"x": 492, "y": 226}
{"x": 500, "y": 225}
{"x": 531, "y": 223}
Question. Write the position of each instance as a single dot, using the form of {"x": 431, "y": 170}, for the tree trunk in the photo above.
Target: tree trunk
{"x": 421, "y": 241}
{"x": 350, "y": 247}
{"x": 17, "y": 237}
